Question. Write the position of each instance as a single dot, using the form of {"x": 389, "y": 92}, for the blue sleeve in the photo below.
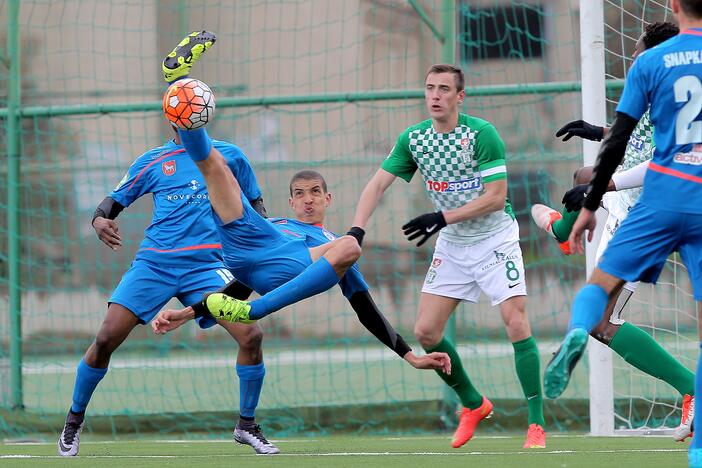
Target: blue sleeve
{"x": 135, "y": 183}
{"x": 634, "y": 100}
{"x": 352, "y": 282}
{"x": 242, "y": 170}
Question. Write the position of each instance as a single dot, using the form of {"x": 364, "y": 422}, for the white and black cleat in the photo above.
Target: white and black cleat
{"x": 252, "y": 435}
{"x": 69, "y": 441}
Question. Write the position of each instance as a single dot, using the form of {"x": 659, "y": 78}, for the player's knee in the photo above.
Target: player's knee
{"x": 105, "y": 344}
{"x": 349, "y": 250}
{"x": 517, "y": 326}
{"x": 252, "y": 339}
{"x": 426, "y": 336}
{"x": 604, "y": 332}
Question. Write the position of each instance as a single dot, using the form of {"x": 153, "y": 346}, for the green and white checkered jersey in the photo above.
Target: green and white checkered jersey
{"x": 455, "y": 167}
{"x": 639, "y": 149}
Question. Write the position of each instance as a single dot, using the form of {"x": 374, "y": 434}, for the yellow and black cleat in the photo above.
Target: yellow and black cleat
{"x": 177, "y": 64}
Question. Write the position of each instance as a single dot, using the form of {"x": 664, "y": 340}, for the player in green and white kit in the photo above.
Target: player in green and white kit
{"x": 636, "y": 346}
{"x": 462, "y": 161}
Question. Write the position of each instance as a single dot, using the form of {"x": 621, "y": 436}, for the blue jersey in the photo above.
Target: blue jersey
{"x": 182, "y": 228}
{"x": 315, "y": 235}
{"x": 669, "y": 79}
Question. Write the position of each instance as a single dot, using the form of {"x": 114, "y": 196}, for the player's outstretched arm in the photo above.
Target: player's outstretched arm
{"x": 170, "y": 319}
{"x": 370, "y": 197}
{"x": 105, "y": 226}
{"x": 373, "y": 319}
{"x": 610, "y": 156}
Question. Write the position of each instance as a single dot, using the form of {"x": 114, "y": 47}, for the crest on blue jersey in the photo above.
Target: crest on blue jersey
{"x": 169, "y": 167}
{"x": 328, "y": 234}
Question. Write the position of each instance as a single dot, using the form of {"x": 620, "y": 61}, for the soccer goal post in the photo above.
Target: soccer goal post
{"x": 592, "y": 57}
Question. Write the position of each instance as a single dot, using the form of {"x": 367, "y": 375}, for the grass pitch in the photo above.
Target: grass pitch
{"x": 362, "y": 451}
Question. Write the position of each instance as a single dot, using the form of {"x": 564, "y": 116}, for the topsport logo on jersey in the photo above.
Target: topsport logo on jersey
{"x": 444, "y": 186}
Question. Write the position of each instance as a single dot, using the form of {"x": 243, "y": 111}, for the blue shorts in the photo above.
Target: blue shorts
{"x": 258, "y": 254}
{"x": 146, "y": 287}
{"x": 640, "y": 247}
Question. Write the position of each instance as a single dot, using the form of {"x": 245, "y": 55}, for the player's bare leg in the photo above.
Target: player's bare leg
{"x": 588, "y": 309}
{"x": 115, "y": 328}
{"x": 528, "y": 366}
{"x": 434, "y": 312}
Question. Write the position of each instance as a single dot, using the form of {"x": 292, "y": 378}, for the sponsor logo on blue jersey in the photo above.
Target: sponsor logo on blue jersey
{"x": 465, "y": 185}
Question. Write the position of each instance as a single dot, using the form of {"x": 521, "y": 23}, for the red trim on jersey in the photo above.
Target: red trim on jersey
{"x": 691, "y": 31}
{"x": 182, "y": 249}
{"x": 291, "y": 233}
{"x": 152, "y": 163}
{"x": 672, "y": 172}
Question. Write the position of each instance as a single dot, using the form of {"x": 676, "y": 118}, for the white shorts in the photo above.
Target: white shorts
{"x": 617, "y": 210}
{"x": 494, "y": 266}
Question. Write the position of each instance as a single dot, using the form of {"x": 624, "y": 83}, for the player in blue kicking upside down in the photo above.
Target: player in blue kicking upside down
{"x": 668, "y": 216}
{"x": 180, "y": 257}
{"x": 309, "y": 200}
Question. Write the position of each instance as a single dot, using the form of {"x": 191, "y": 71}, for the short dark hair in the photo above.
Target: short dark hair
{"x": 658, "y": 32}
{"x": 308, "y": 174}
{"x": 448, "y": 68}
{"x": 692, "y": 8}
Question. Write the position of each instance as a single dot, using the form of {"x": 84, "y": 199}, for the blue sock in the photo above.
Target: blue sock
{"x": 697, "y": 436}
{"x": 196, "y": 142}
{"x": 316, "y": 278}
{"x": 588, "y": 307}
{"x": 250, "y": 384}
{"x": 87, "y": 379}
{"x": 178, "y": 79}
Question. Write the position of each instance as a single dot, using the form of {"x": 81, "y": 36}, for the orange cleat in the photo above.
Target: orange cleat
{"x": 544, "y": 217}
{"x": 469, "y": 419}
{"x": 684, "y": 430}
{"x": 536, "y": 437}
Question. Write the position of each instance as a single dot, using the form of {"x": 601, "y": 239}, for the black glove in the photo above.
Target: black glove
{"x": 581, "y": 129}
{"x": 357, "y": 233}
{"x": 426, "y": 225}
{"x": 575, "y": 197}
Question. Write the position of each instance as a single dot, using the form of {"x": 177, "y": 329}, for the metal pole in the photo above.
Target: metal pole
{"x": 594, "y": 110}
{"x": 13, "y": 130}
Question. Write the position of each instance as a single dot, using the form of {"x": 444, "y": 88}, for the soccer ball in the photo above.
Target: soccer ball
{"x": 189, "y": 104}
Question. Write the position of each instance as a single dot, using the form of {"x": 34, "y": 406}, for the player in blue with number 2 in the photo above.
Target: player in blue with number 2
{"x": 668, "y": 216}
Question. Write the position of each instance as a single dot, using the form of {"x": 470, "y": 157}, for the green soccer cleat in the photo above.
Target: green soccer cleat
{"x": 227, "y": 308}
{"x": 177, "y": 64}
{"x": 560, "y": 367}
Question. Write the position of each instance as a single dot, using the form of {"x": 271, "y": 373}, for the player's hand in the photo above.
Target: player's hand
{"x": 586, "y": 222}
{"x": 425, "y": 225}
{"x": 170, "y": 319}
{"x": 108, "y": 232}
{"x": 574, "y": 198}
{"x": 433, "y": 361}
{"x": 581, "y": 129}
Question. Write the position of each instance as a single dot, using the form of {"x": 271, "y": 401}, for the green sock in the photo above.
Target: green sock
{"x": 639, "y": 349}
{"x": 458, "y": 380}
{"x": 528, "y": 364}
{"x": 561, "y": 228}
